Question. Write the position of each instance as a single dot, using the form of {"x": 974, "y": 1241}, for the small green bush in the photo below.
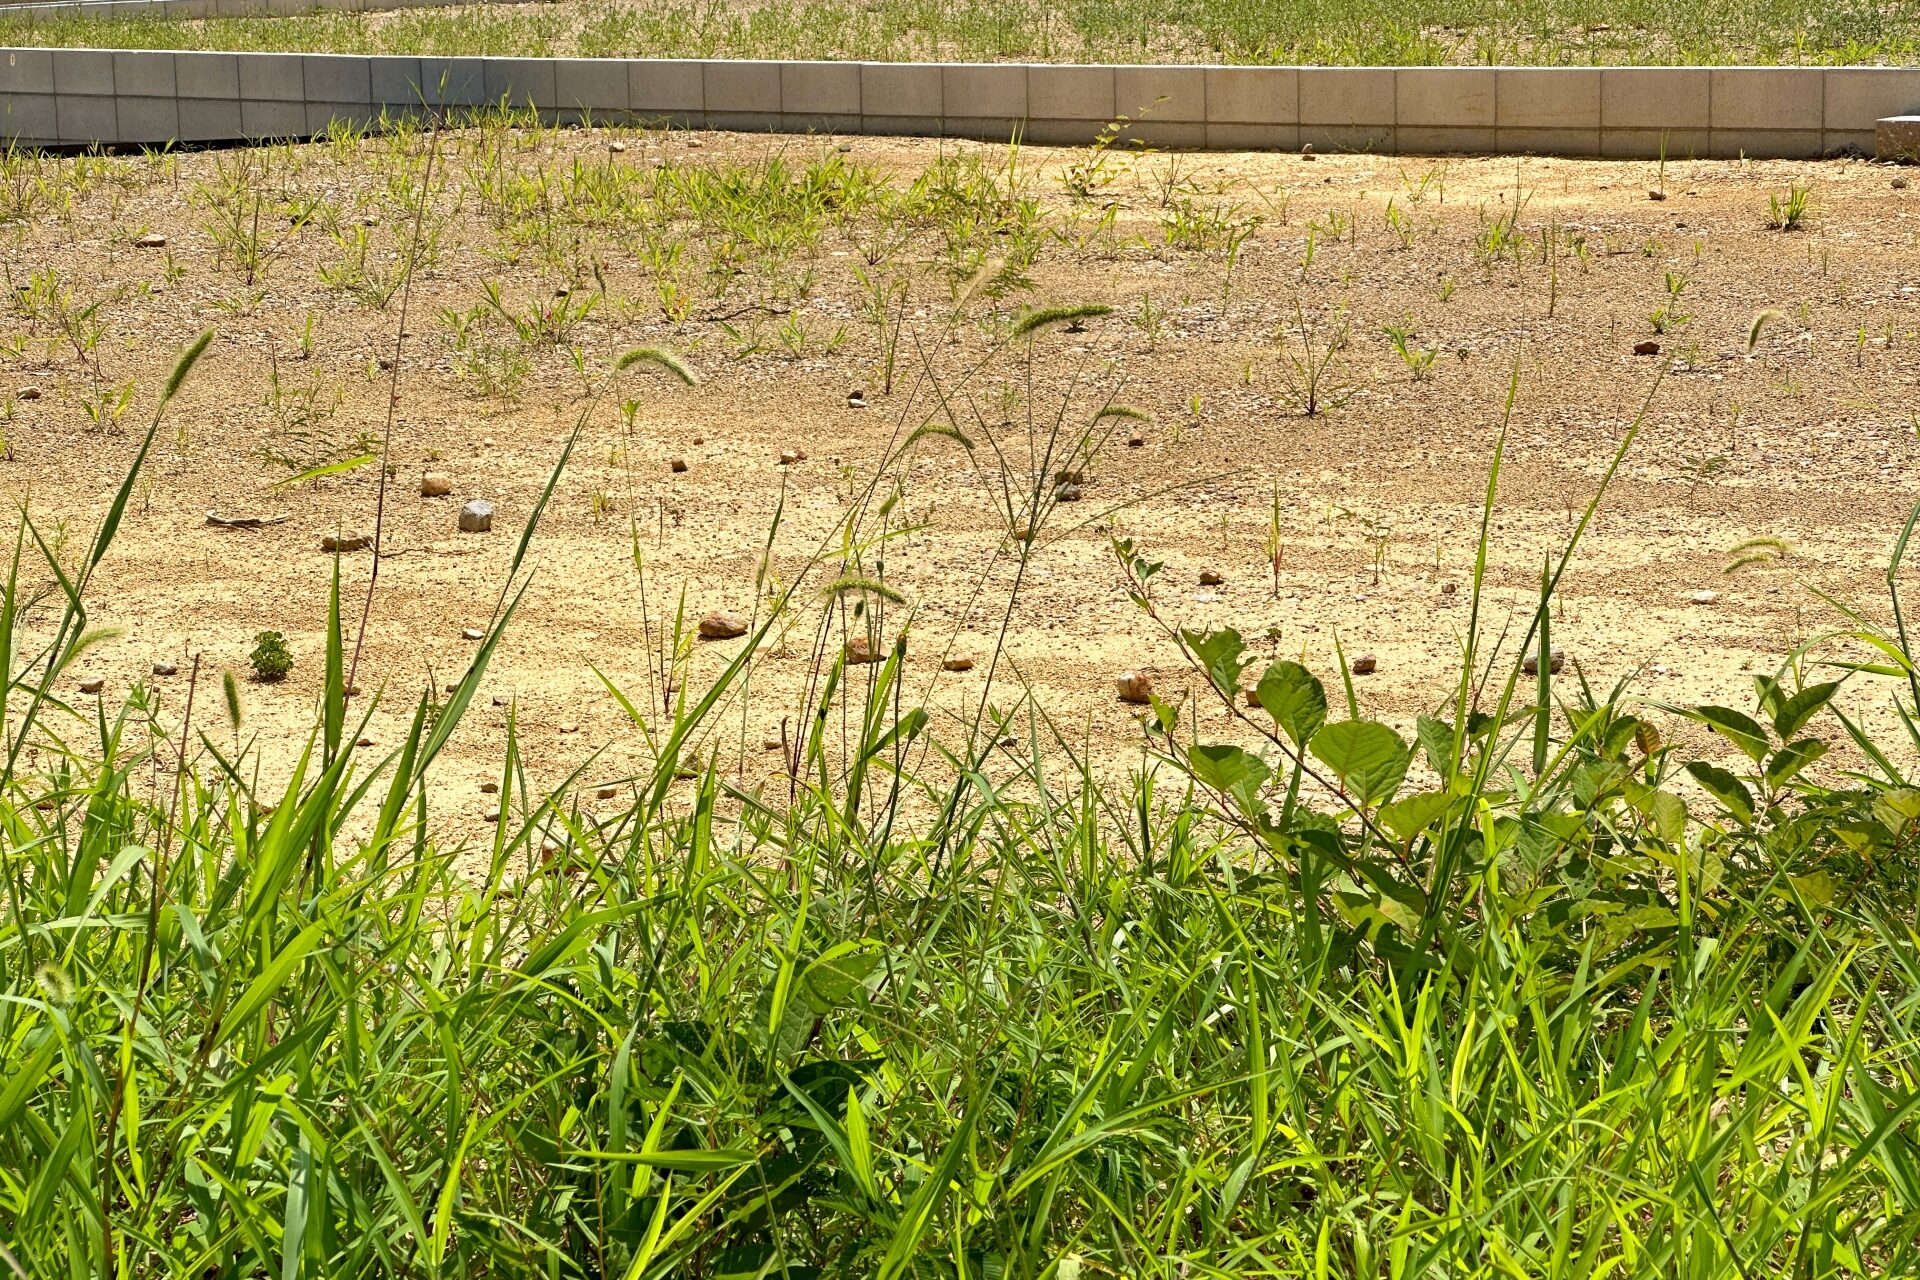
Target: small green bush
{"x": 270, "y": 659}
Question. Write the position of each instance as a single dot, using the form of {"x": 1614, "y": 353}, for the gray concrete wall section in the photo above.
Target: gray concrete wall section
{"x": 77, "y": 97}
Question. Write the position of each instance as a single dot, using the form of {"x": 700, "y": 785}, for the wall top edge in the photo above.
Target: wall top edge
{"x": 1807, "y": 70}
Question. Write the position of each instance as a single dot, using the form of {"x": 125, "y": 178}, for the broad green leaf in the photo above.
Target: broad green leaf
{"x": 832, "y": 979}
{"x": 1725, "y": 788}
{"x": 1222, "y": 654}
{"x": 1367, "y": 757}
{"x": 1436, "y": 739}
{"x": 1789, "y": 760}
{"x": 1897, "y": 807}
{"x": 1802, "y": 707}
{"x": 1410, "y": 815}
{"x": 1669, "y": 814}
{"x": 1742, "y": 731}
{"x": 1295, "y": 699}
{"x": 1236, "y": 772}
{"x": 1816, "y": 887}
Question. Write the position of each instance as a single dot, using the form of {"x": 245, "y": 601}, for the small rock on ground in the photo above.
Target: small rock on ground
{"x": 476, "y": 516}
{"x": 1556, "y": 659}
{"x": 956, "y": 662}
{"x": 472, "y": 633}
{"x": 722, "y": 624}
{"x": 93, "y": 684}
{"x": 27, "y": 393}
{"x": 1704, "y": 597}
{"x": 165, "y": 669}
{"x": 435, "y": 484}
{"x": 1365, "y": 665}
{"x": 677, "y": 465}
{"x": 1135, "y": 687}
{"x": 1646, "y": 348}
{"x": 862, "y": 649}
{"x": 339, "y": 543}
{"x": 151, "y": 240}
{"x": 1211, "y": 578}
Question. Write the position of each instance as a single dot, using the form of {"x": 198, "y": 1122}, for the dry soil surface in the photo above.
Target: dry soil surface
{"x": 1532, "y": 276}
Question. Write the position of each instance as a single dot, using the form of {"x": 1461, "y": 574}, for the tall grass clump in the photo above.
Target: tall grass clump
{"x": 1537, "y": 994}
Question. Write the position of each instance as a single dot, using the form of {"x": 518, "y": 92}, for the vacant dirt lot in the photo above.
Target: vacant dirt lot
{"x": 789, "y": 273}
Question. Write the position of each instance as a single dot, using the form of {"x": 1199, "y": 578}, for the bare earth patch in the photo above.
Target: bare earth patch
{"x": 1225, "y": 274}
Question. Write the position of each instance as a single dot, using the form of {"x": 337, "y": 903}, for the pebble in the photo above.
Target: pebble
{"x": 436, "y": 484}
{"x": 27, "y": 393}
{"x": 1135, "y": 687}
{"x": 616, "y": 146}
{"x": 93, "y": 684}
{"x": 363, "y": 742}
{"x": 605, "y": 793}
{"x": 1306, "y": 151}
{"x": 699, "y": 439}
{"x": 1211, "y": 578}
{"x": 722, "y": 624}
{"x": 1135, "y": 441}
{"x": 151, "y": 240}
{"x": 1365, "y": 665}
{"x": 1070, "y": 493}
{"x": 1556, "y": 659}
{"x": 771, "y": 739}
{"x": 1704, "y": 597}
{"x": 1899, "y": 184}
{"x": 956, "y": 662}
{"x": 476, "y": 516}
{"x": 789, "y": 456}
{"x": 1656, "y": 195}
{"x": 502, "y": 700}
{"x": 489, "y": 788}
{"x": 338, "y": 543}
{"x": 492, "y": 815}
{"x": 1648, "y": 348}
{"x": 677, "y": 465}
{"x": 472, "y": 633}
{"x": 856, "y": 399}
{"x": 1448, "y": 588}
{"x": 861, "y": 649}
{"x": 165, "y": 669}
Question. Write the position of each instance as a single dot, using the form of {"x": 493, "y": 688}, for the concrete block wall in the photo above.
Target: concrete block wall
{"x": 87, "y": 96}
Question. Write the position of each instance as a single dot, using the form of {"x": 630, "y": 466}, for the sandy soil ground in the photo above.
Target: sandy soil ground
{"x": 1807, "y": 437}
